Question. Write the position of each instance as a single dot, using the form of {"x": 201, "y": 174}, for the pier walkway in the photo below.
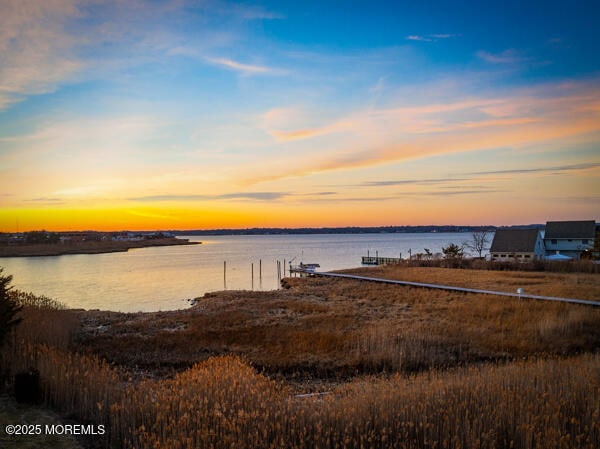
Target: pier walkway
{"x": 457, "y": 289}
{"x": 370, "y": 260}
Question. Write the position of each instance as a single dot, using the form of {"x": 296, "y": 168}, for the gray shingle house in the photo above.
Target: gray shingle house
{"x": 522, "y": 245}
{"x": 570, "y": 238}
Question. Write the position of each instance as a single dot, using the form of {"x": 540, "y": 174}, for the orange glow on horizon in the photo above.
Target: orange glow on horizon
{"x": 452, "y": 210}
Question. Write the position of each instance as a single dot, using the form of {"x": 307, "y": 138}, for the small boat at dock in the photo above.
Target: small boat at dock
{"x": 304, "y": 268}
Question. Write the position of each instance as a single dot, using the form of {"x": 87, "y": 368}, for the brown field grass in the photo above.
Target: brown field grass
{"x": 328, "y": 328}
{"x": 224, "y": 403}
{"x": 571, "y": 285}
{"x": 405, "y": 367}
{"x": 571, "y": 266}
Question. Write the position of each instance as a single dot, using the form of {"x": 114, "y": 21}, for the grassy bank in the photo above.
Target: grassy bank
{"x": 403, "y": 367}
{"x": 86, "y": 247}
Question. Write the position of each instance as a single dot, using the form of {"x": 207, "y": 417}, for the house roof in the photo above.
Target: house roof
{"x": 514, "y": 240}
{"x": 570, "y": 229}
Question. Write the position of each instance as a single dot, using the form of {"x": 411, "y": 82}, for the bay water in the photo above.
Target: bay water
{"x": 166, "y": 278}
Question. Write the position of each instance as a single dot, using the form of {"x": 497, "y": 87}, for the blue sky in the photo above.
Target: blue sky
{"x": 231, "y": 114}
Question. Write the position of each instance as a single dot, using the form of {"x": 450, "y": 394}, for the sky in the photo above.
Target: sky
{"x": 181, "y": 114}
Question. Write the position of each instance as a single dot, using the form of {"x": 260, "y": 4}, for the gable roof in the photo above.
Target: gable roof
{"x": 514, "y": 240}
{"x": 570, "y": 229}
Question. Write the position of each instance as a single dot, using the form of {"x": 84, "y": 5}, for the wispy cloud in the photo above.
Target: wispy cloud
{"x": 553, "y": 169}
{"x": 429, "y": 37}
{"x": 379, "y": 86}
{"x": 253, "y": 12}
{"x": 591, "y": 199}
{"x": 415, "y": 37}
{"x": 244, "y": 196}
{"x": 247, "y": 69}
{"x": 45, "y": 200}
{"x": 47, "y": 44}
{"x": 260, "y": 196}
{"x": 462, "y": 192}
{"x": 275, "y": 122}
{"x": 36, "y": 51}
{"x": 402, "y": 182}
{"x": 506, "y": 57}
{"x": 297, "y": 134}
{"x": 284, "y": 136}
{"x": 412, "y": 195}
{"x": 453, "y": 185}
{"x": 372, "y": 137}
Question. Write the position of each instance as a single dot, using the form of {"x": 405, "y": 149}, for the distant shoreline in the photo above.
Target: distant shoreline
{"x": 87, "y": 247}
{"x": 343, "y": 230}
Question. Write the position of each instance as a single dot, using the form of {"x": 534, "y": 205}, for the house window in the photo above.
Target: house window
{"x": 527, "y": 256}
{"x": 570, "y": 240}
{"x": 554, "y": 241}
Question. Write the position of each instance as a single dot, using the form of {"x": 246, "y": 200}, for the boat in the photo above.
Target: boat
{"x": 306, "y": 268}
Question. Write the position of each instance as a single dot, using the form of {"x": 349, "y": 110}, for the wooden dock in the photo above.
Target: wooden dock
{"x": 370, "y": 260}
{"x": 304, "y": 269}
{"x": 459, "y": 289}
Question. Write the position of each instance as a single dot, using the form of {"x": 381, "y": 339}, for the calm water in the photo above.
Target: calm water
{"x": 163, "y": 278}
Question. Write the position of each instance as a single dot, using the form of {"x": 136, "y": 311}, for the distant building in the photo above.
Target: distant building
{"x": 79, "y": 236}
{"x": 522, "y": 245}
{"x": 570, "y": 238}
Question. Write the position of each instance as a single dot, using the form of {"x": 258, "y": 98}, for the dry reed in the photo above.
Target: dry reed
{"x": 223, "y": 402}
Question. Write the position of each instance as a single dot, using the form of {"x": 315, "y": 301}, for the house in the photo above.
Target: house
{"x": 522, "y": 245}
{"x": 570, "y": 238}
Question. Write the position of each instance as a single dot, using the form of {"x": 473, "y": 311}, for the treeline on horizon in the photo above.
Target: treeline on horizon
{"x": 284, "y": 231}
{"x": 352, "y": 230}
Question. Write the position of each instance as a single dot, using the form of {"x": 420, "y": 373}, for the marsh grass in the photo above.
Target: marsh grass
{"x": 47, "y": 320}
{"x": 338, "y": 328}
{"x": 429, "y": 369}
{"x": 571, "y": 266}
{"x": 224, "y": 403}
{"x": 576, "y": 285}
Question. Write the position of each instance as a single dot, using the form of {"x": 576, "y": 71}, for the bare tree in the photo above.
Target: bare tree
{"x": 479, "y": 241}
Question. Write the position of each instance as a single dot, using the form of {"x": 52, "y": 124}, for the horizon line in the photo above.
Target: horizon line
{"x": 286, "y": 228}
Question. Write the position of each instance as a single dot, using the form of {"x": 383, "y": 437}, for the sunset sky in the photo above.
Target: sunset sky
{"x": 186, "y": 114}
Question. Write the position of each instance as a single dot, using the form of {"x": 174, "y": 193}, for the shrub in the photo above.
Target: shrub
{"x": 8, "y": 308}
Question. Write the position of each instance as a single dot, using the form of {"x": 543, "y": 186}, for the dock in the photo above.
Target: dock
{"x": 370, "y": 260}
{"x": 519, "y": 294}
